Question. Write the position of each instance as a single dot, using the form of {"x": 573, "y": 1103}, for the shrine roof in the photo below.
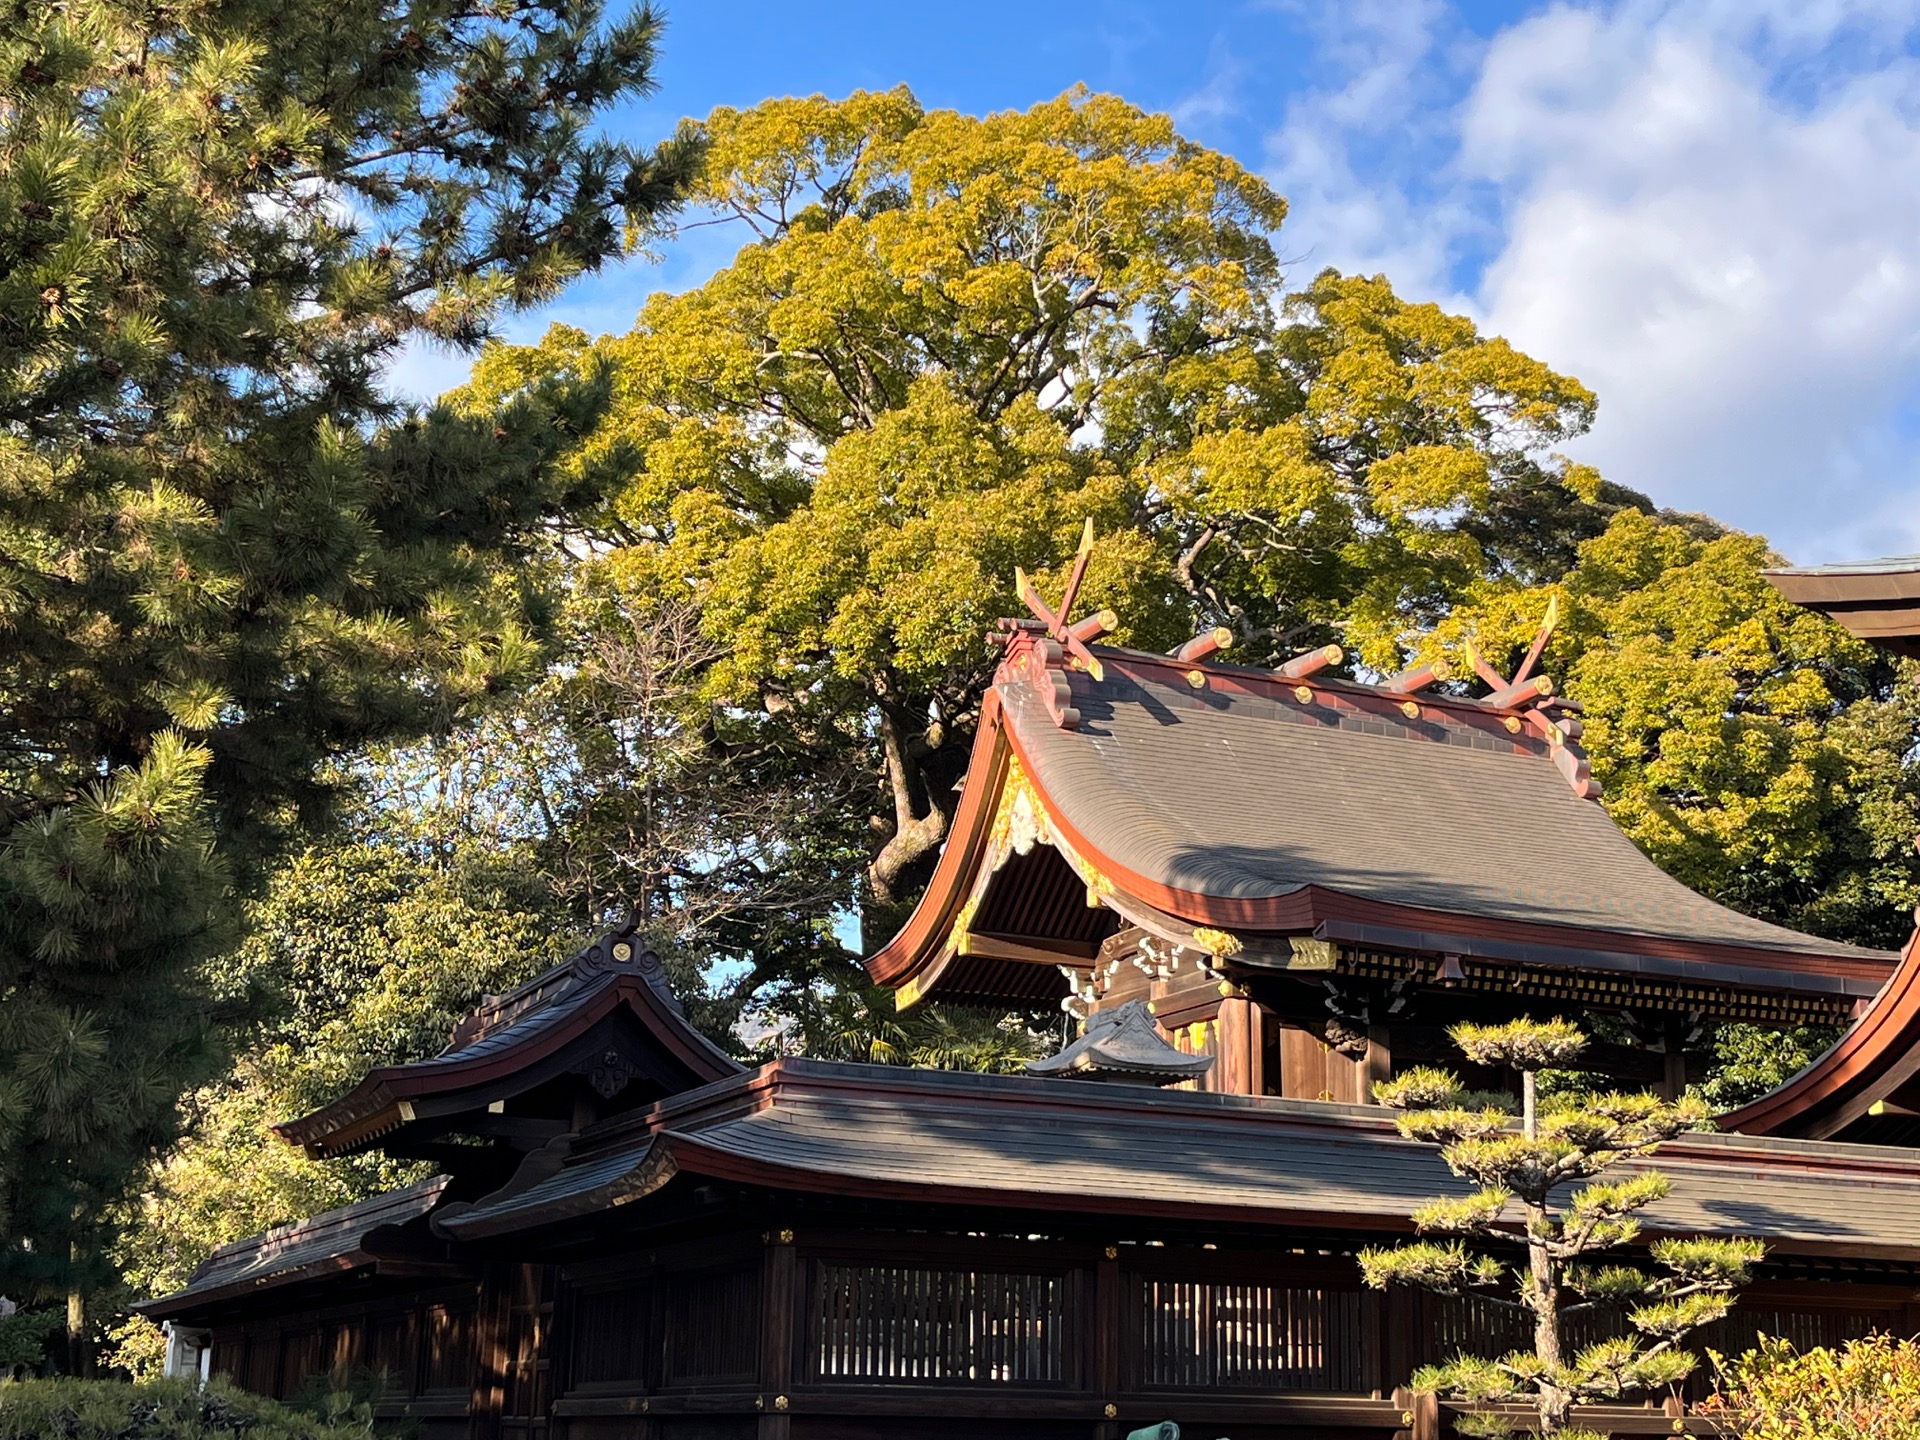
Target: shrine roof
{"x": 511, "y": 1042}
{"x": 1232, "y": 805}
{"x": 1049, "y": 1145}
{"x": 1866, "y": 1082}
{"x": 1226, "y": 798}
{"x": 327, "y": 1244}
{"x": 1877, "y": 600}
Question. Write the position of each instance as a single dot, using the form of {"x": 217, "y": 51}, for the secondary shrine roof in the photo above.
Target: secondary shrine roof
{"x": 1052, "y": 1146}
{"x": 1877, "y": 600}
{"x": 558, "y": 1023}
{"x": 332, "y": 1243}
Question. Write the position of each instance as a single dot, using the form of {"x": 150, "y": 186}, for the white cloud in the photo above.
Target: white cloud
{"x": 1710, "y": 212}
{"x": 1736, "y": 272}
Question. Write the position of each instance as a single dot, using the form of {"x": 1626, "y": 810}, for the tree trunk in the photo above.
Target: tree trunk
{"x": 1543, "y": 1287}
{"x": 919, "y": 819}
{"x": 1554, "y": 1401}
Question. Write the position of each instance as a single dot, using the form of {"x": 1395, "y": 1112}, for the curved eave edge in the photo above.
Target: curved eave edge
{"x": 1298, "y": 911}
{"x": 382, "y": 1101}
{"x": 1874, "y": 1058}
{"x": 918, "y": 945}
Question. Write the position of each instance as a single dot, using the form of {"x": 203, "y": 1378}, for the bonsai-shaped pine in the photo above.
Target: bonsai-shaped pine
{"x": 1521, "y": 1174}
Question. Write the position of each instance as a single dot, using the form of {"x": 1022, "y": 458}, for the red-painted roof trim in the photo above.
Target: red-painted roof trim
{"x": 1872, "y": 1060}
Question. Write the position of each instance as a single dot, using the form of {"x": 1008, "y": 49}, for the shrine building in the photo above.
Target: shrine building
{"x": 1256, "y": 892}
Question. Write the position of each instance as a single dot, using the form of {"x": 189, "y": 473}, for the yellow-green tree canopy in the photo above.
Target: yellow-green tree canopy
{"x": 948, "y": 340}
{"x": 1754, "y": 749}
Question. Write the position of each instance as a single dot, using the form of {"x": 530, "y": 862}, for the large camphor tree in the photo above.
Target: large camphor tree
{"x": 947, "y": 341}
{"x": 226, "y": 554}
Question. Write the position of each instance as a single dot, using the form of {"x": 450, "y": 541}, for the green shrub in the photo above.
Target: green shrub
{"x": 163, "y": 1410}
{"x": 1865, "y": 1390}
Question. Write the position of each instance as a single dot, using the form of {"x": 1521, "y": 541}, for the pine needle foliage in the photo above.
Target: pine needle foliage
{"x": 226, "y": 553}
{"x": 1521, "y": 1172}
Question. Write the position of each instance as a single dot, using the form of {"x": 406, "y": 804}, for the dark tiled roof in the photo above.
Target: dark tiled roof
{"x": 501, "y": 1043}
{"x": 1244, "y": 794}
{"x": 325, "y": 1242}
{"x": 1034, "y": 1144}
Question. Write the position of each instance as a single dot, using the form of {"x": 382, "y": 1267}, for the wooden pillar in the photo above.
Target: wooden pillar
{"x": 1673, "y": 1082}
{"x": 1419, "y": 1415}
{"x": 1109, "y": 1308}
{"x": 1237, "y": 1049}
{"x": 492, "y": 1322}
{"x": 780, "y": 1298}
{"x": 1379, "y": 1062}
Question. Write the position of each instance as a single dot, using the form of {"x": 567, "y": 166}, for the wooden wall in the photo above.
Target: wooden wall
{"x": 799, "y": 1336}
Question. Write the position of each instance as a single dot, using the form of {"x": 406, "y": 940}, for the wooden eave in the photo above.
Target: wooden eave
{"x": 1877, "y": 601}
{"x": 920, "y": 955}
{"x": 1873, "y": 1060}
{"x": 394, "y": 1095}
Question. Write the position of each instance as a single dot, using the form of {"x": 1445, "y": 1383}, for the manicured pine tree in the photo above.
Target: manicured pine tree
{"x": 1676, "y": 1287}
{"x": 226, "y": 554}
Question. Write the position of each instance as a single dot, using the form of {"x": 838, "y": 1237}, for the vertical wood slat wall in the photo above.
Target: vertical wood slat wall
{"x": 770, "y": 1321}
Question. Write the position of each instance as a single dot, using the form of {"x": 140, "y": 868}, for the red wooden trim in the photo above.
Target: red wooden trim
{"x": 926, "y": 929}
{"x": 1871, "y": 1060}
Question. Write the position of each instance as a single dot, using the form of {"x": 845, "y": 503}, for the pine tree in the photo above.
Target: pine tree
{"x": 226, "y": 554}
{"x": 1680, "y": 1285}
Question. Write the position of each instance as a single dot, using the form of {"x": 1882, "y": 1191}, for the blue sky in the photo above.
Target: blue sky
{"x": 1709, "y": 211}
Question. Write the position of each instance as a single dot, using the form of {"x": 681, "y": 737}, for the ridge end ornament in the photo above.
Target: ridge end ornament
{"x": 1072, "y": 638}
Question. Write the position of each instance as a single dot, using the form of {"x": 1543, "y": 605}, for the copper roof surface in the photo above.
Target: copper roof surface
{"x": 1240, "y": 805}
{"x": 1012, "y": 1142}
{"x": 330, "y": 1242}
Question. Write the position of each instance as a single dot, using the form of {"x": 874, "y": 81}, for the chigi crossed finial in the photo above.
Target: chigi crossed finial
{"x": 1072, "y": 637}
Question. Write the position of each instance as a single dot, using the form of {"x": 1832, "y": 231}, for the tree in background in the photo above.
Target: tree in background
{"x": 225, "y": 554}
{"x": 362, "y": 952}
{"x": 1753, "y": 748}
{"x": 947, "y": 342}
{"x": 1689, "y": 1283}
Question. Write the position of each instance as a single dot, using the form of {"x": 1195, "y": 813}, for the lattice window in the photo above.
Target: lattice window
{"x": 1248, "y": 1336}
{"x": 449, "y": 1349}
{"x": 1807, "y": 1329}
{"x": 890, "y": 1323}
{"x": 612, "y": 1335}
{"x": 713, "y": 1326}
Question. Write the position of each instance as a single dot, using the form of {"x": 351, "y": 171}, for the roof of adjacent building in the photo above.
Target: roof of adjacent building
{"x": 331, "y": 1243}
{"x": 1259, "y": 806}
{"x": 513, "y": 1041}
{"x": 1877, "y": 600}
{"x": 1869, "y": 1081}
{"x": 1016, "y": 1143}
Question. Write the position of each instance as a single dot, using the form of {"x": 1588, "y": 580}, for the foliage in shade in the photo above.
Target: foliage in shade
{"x": 218, "y": 225}
{"x": 1867, "y": 1389}
{"x": 949, "y": 340}
{"x": 350, "y": 951}
{"x": 167, "y": 1410}
{"x": 1680, "y": 1285}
